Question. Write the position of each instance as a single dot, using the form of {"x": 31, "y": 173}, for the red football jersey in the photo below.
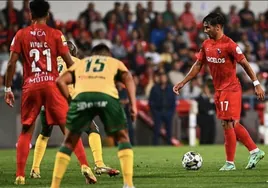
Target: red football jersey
{"x": 39, "y": 45}
{"x": 221, "y": 57}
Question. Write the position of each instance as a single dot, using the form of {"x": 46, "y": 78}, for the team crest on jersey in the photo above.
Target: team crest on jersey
{"x": 63, "y": 40}
{"x": 219, "y": 51}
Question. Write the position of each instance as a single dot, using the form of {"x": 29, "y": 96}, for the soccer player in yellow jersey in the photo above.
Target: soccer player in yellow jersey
{"x": 41, "y": 144}
{"x": 95, "y": 94}
{"x": 93, "y": 132}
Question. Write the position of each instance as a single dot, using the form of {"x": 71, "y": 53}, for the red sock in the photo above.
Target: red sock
{"x": 80, "y": 153}
{"x": 230, "y": 144}
{"x": 23, "y": 149}
{"x": 244, "y": 137}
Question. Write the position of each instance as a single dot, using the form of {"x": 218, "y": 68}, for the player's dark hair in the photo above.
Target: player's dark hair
{"x": 100, "y": 49}
{"x": 39, "y": 8}
{"x": 214, "y": 19}
{"x": 72, "y": 48}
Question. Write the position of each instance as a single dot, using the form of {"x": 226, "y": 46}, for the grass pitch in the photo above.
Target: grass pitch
{"x": 154, "y": 167}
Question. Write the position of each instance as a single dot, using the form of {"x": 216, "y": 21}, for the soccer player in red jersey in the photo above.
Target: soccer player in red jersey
{"x": 94, "y": 138}
{"x": 221, "y": 54}
{"x": 39, "y": 45}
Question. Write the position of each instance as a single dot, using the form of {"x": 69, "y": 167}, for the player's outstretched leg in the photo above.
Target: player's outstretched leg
{"x": 228, "y": 166}
{"x": 79, "y": 151}
{"x": 254, "y": 158}
{"x": 23, "y": 152}
{"x": 63, "y": 158}
{"x": 94, "y": 141}
{"x": 39, "y": 151}
{"x": 125, "y": 155}
{"x": 230, "y": 145}
{"x": 81, "y": 156}
{"x": 40, "y": 146}
{"x": 255, "y": 153}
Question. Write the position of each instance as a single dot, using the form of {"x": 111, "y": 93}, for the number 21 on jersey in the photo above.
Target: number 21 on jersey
{"x": 36, "y": 54}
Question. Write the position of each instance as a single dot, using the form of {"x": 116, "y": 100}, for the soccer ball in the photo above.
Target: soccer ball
{"x": 192, "y": 160}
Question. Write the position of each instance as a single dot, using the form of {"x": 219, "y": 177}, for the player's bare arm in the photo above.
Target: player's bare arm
{"x": 131, "y": 90}
{"x": 67, "y": 59}
{"x": 9, "y": 97}
{"x": 258, "y": 89}
{"x": 63, "y": 81}
{"x": 124, "y": 101}
{"x": 195, "y": 69}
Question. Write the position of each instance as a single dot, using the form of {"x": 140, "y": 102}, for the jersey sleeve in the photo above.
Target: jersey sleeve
{"x": 122, "y": 67}
{"x": 201, "y": 56}
{"x": 75, "y": 60}
{"x": 16, "y": 43}
{"x": 62, "y": 47}
{"x": 73, "y": 67}
{"x": 236, "y": 52}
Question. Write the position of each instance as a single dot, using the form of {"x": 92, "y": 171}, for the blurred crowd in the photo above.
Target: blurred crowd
{"x": 150, "y": 43}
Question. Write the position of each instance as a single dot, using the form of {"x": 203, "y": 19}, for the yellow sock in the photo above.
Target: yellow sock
{"x": 94, "y": 141}
{"x": 61, "y": 163}
{"x": 39, "y": 151}
{"x": 126, "y": 160}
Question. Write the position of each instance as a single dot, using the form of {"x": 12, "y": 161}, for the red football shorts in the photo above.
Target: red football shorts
{"x": 47, "y": 95}
{"x": 228, "y": 104}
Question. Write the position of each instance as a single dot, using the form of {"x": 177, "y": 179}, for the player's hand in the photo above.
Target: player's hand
{"x": 133, "y": 112}
{"x": 9, "y": 98}
{"x": 259, "y": 92}
{"x": 177, "y": 88}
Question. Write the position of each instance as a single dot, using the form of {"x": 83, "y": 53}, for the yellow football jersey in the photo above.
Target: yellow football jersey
{"x": 97, "y": 74}
{"x": 62, "y": 68}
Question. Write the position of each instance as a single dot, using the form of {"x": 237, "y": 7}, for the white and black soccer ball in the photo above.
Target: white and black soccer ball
{"x": 192, "y": 160}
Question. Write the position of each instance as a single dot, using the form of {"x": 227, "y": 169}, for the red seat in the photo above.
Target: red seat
{"x": 246, "y": 106}
{"x": 183, "y": 107}
{"x": 143, "y": 105}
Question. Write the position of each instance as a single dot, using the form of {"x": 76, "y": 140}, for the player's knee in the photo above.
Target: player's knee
{"x": 46, "y": 132}
{"x": 122, "y": 136}
{"x": 27, "y": 129}
{"x": 223, "y": 124}
{"x": 227, "y": 124}
{"x": 93, "y": 128}
{"x": 71, "y": 139}
{"x": 62, "y": 128}
{"x": 236, "y": 122}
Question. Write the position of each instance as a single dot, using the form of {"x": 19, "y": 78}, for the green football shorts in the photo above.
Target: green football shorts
{"x": 85, "y": 106}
